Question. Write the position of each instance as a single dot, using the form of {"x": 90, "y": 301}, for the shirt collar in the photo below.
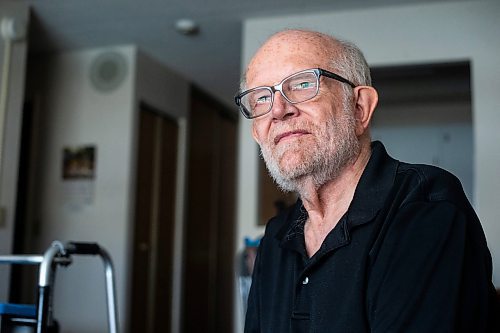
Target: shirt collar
{"x": 373, "y": 187}
{"x": 369, "y": 196}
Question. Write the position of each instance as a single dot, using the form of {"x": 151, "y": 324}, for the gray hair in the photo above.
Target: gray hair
{"x": 351, "y": 63}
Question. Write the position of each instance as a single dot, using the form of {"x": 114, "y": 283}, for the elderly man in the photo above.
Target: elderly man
{"x": 372, "y": 244}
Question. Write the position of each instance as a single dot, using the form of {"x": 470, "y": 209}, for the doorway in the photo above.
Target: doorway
{"x": 151, "y": 297}
{"x": 24, "y": 277}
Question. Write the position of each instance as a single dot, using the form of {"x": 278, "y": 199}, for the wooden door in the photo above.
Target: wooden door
{"x": 151, "y": 299}
{"x": 210, "y": 225}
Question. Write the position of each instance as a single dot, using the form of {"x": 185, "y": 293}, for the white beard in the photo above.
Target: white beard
{"x": 334, "y": 145}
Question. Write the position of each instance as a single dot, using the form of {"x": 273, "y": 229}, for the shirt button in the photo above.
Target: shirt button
{"x": 306, "y": 280}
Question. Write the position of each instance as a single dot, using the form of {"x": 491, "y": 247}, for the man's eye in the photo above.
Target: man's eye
{"x": 303, "y": 85}
{"x": 263, "y": 99}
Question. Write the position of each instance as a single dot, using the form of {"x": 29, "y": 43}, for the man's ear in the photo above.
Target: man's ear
{"x": 366, "y": 99}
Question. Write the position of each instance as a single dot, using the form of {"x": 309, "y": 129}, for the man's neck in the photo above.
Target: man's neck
{"x": 327, "y": 204}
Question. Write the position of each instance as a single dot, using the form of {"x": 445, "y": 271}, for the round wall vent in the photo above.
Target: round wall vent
{"x": 108, "y": 70}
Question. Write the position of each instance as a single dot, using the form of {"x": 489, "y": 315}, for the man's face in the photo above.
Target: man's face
{"x": 314, "y": 138}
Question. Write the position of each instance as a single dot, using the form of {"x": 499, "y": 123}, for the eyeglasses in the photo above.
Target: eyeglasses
{"x": 296, "y": 88}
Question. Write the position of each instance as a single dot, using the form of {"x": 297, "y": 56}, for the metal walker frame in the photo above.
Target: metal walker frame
{"x": 59, "y": 254}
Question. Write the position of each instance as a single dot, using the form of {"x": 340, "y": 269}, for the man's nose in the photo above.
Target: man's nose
{"x": 282, "y": 109}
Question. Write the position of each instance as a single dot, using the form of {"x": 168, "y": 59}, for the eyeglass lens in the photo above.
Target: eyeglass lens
{"x": 296, "y": 88}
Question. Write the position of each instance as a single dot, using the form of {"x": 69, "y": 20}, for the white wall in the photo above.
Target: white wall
{"x": 11, "y": 135}
{"x": 410, "y": 34}
{"x": 73, "y": 113}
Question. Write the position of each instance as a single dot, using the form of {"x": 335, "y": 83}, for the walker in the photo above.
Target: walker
{"x": 26, "y": 317}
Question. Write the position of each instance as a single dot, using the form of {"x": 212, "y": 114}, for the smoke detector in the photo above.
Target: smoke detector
{"x": 187, "y": 27}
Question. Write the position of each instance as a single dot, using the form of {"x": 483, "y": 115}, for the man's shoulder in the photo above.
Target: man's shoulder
{"x": 429, "y": 183}
{"x": 425, "y": 172}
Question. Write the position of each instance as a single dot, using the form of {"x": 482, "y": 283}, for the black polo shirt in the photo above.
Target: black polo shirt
{"x": 408, "y": 256}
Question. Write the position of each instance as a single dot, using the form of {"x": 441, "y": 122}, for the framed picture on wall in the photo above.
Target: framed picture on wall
{"x": 79, "y": 162}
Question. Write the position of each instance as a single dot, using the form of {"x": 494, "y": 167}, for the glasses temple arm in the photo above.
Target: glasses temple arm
{"x": 336, "y": 77}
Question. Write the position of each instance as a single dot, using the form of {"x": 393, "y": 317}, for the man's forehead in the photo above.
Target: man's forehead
{"x": 295, "y": 43}
{"x": 287, "y": 52}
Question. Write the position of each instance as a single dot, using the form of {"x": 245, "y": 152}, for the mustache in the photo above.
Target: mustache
{"x": 281, "y": 129}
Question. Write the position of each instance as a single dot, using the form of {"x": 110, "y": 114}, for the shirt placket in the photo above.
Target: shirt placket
{"x": 300, "y": 320}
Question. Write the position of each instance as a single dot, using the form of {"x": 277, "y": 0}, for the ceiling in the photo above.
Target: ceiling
{"x": 210, "y": 59}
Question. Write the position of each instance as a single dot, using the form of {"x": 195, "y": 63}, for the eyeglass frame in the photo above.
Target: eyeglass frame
{"x": 318, "y": 72}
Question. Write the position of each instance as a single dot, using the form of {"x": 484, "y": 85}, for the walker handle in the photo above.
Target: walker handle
{"x": 83, "y": 248}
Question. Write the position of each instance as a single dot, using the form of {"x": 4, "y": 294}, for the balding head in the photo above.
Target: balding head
{"x": 311, "y": 49}
{"x": 318, "y": 46}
